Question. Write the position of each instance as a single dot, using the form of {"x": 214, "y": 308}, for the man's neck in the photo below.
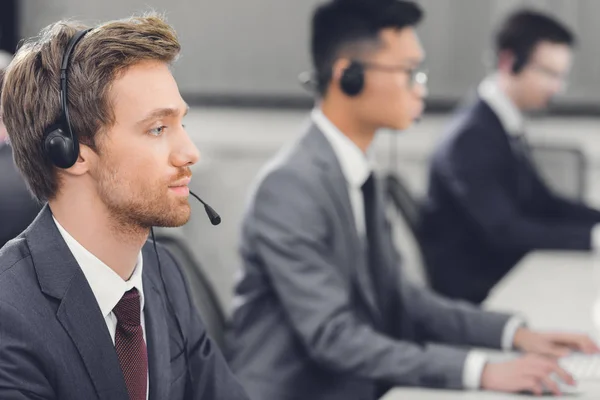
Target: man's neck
{"x": 90, "y": 224}
{"x": 506, "y": 85}
{"x": 361, "y": 135}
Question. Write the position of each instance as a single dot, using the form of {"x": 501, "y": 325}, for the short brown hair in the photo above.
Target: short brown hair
{"x": 30, "y": 95}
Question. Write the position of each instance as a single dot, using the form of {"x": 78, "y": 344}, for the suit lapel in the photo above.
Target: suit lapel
{"x": 80, "y": 315}
{"x": 517, "y": 158}
{"x": 335, "y": 183}
{"x": 60, "y": 277}
{"x": 157, "y": 334}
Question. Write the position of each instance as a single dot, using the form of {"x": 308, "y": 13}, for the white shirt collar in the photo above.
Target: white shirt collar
{"x": 509, "y": 115}
{"x": 356, "y": 165}
{"x": 108, "y": 287}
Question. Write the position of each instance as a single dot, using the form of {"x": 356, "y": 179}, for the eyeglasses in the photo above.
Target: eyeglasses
{"x": 554, "y": 75}
{"x": 416, "y": 76}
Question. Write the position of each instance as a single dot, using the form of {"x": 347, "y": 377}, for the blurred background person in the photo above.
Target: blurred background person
{"x": 18, "y": 208}
{"x": 487, "y": 205}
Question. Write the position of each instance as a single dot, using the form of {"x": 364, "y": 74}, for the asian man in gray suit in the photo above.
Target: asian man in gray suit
{"x": 322, "y": 310}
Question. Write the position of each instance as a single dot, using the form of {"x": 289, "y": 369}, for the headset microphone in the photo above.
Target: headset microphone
{"x": 213, "y": 216}
{"x": 308, "y": 80}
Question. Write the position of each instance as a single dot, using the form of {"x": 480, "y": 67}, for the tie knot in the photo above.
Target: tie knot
{"x": 369, "y": 184}
{"x": 127, "y": 309}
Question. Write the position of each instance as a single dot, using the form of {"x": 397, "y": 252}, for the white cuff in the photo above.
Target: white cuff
{"x": 596, "y": 237}
{"x": 473, "y": 368}
{"x": 508, "y": 335}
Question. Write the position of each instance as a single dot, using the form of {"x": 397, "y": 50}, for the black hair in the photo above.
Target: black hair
{"x": 338, "y": 25}
{"x": 523, "y": 30}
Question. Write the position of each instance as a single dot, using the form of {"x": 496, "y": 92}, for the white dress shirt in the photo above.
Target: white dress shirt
{"x": 513, "y": 122}
{"x": 108, "y": 287}
{"x": 356, "y": 167}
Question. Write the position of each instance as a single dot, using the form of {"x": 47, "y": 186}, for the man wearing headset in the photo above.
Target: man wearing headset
{"x": 322, "y": 311}
{"x": 487, "y": 206}
{"x": 88, "y": 308}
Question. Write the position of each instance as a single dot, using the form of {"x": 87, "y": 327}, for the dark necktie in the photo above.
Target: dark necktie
{"x": 374, "y": 230}
{"x": 521, "y": 148}
{"x": 130, "y": 345}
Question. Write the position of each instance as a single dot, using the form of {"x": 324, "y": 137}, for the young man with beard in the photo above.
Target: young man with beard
{"x": 84, "y": 310}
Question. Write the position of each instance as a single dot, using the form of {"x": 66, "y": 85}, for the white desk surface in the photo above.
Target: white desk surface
{"x": 553, "y": 291}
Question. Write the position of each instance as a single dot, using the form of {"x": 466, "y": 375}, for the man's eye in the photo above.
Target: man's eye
{"x": 157, "y": 131}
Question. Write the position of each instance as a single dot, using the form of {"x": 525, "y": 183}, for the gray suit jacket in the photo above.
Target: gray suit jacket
{"x": 307, "y": 322}
{"x": 54, "y": 342}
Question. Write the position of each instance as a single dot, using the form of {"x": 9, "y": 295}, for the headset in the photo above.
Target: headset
{"x": 521, "y": 55}
{"x": 520, "y": 62}
{"x": 352, "y": 80}
{"x": 61, "y": 146}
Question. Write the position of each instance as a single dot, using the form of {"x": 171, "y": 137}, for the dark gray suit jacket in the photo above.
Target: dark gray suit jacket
{"x": 54, "y": 342}
{"x": 307, "y": 324}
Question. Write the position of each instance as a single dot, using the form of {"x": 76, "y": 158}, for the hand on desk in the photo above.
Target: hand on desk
{"x": 529, "y": 373}
{"x": 533, "y": 371}
{"x": 554, "y": 345}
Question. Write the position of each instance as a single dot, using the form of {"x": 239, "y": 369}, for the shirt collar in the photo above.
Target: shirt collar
{"x": 356, "y": 165}
{"x": 108, "y": 287}
{"x": 509, "y": 115}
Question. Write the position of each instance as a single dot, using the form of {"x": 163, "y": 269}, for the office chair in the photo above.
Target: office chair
{"x": 202, "y": 291}
{"x": 403, "y": 200}
{"x": 405, "y": 226}
{"x": 563, "y": 168}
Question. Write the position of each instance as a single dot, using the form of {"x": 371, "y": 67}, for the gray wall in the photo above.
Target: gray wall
{"x": 258, "y": 47}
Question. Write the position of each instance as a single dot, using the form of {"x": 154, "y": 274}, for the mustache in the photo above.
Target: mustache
{"x": 183, "y": 173}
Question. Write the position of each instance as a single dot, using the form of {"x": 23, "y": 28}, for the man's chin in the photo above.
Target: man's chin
{"x": 177, "y": 220}
{"x": 402, "y": 125}
{"x": 175, "y": 217}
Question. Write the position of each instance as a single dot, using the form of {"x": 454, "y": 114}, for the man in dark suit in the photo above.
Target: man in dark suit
{"x": 487, "y": 206}
{"x": 85, "y": 312}
{"x": 322, "y": 311}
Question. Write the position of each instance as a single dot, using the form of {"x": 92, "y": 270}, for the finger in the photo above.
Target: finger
{"x": 551, "y": 385}
{"x": 543, "y": 366}
{"x": 588, "y": 346}
{"x": 555, "y": 351}
{"x": 564, "y": 375}
{"x": 534, "y": 386}
{"x": 573, "y": 340}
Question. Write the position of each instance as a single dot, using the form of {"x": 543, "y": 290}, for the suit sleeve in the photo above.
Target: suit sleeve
{"x": 291, "y": 235}
{"x": 473, "y": 174}
{"x": 566, "y": 209}
{"x": 211, "y": 377}
{"x": 21, "y": 374}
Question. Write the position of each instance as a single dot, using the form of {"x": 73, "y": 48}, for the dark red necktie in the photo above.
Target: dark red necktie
{"x": 130, "y": 345}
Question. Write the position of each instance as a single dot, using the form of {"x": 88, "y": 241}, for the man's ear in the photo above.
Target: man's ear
{"x": 86, "y": 158}
{"x": 506, "y": 60}
{"x": 338, "y": 69}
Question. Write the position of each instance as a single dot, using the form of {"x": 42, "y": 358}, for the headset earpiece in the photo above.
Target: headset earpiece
{"x": 353, "y": 79}
{"x": 59, "y": 147}
{"x": 520, "y": 60}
